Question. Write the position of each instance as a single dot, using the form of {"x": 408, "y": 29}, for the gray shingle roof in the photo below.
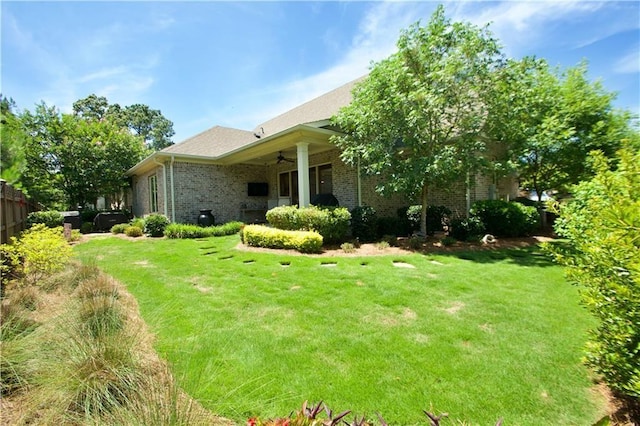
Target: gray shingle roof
{"x": 219, "y": 140}
{"x": 320, "y": 108}
{"x": 213, "y": 142}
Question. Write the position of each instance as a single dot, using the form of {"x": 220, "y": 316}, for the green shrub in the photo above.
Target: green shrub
{"x": 364, "y": 223}
{"x": 330, "y": 222}
{"x": 262, "y": 236}
{"x": 86, "y": 227}
{"x": 284, "y": 217}
{"x": 154, "y": 224}
{"x": 505, "y": 219}
{"x": 133, "y": 231}
{"x": 88, "y": 215}
{"x": 415, "y": 243}
{"x": 448, "y": 241}
{"x": 138, "y": 221}
{"x": 182, "y": 230}
{"x": 602, "y": 226}
{"x": 392, "y": 226}
{"x": 39, "y": 252}
{"x": 436, "y": 218}
{"x": 466, "y": 229}
{"x": 119, "y": 228}
{"x": 50, "y": 219}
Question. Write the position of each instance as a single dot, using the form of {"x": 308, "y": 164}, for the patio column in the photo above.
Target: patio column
{"x": 303, "y": 173}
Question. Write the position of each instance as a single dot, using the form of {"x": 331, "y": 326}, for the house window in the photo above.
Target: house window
{"x": 320, "y": 182}
{"x": 153, "y": 194}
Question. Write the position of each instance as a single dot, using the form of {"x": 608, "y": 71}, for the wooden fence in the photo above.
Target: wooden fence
{"x": 14, "y": 208}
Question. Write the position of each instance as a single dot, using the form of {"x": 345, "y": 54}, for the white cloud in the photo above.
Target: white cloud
{"x": 375, "y": 40}
{"x": 102, "y": 74}
{"x": 630, "y": 63}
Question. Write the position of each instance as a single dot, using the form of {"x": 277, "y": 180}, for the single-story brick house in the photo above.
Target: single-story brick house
{"x": 240, "y": 174}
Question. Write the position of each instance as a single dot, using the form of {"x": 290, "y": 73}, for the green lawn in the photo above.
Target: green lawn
{"x": 480, "y": 336}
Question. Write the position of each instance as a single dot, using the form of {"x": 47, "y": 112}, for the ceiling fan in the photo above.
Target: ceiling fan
{"x": 282, "y": 158}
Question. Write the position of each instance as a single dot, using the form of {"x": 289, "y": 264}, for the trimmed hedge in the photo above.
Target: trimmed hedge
{"x": 50, "y": 218}
{"x": 330, "y": 222}
{"x": 506, "y": 219}
{"x": 183, "y": 230}
{"x": 263, "y": 236}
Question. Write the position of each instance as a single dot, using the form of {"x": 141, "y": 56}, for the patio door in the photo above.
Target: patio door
{"x": 320, "y": 182}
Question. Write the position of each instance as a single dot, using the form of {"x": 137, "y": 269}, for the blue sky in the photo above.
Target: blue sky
{"x": 240, "y": 63}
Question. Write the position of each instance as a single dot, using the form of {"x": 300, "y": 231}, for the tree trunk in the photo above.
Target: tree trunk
{"x": 423, "y": 212}
{"x": 541, "y": 210}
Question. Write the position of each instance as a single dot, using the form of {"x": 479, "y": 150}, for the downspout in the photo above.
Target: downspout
{"x": 468, "y": 193}
{"x": 164, "y": 187}
{"x": 173, "y": 193}
{"x": 359, "y": 185}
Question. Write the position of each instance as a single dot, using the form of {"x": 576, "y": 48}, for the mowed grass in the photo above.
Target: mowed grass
{"x": 481, "y": 336}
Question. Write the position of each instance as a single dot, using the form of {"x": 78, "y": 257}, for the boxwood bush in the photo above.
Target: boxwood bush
{"x": 154, "y": 224}
{"x": 183, "y": 230}
{"x": 49, "y": 218}
{"x": 330, "y": 222}
{"x": 466, "y": 229}
{"x": 505, "y": 219}
{"x": 263, "y": 236}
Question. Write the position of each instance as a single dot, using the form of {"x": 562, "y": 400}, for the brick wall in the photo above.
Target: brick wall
{"x": 223, "y": 189}
{"x": 140, "y": 192}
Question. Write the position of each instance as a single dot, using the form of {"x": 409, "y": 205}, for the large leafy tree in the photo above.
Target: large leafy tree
{"x": 72, "y": 160}
{"x": 149, "y": 124}
{"x": 552, "y": 120}
{"x": 417, "y": 119}
{"x": 12, "y": 137}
